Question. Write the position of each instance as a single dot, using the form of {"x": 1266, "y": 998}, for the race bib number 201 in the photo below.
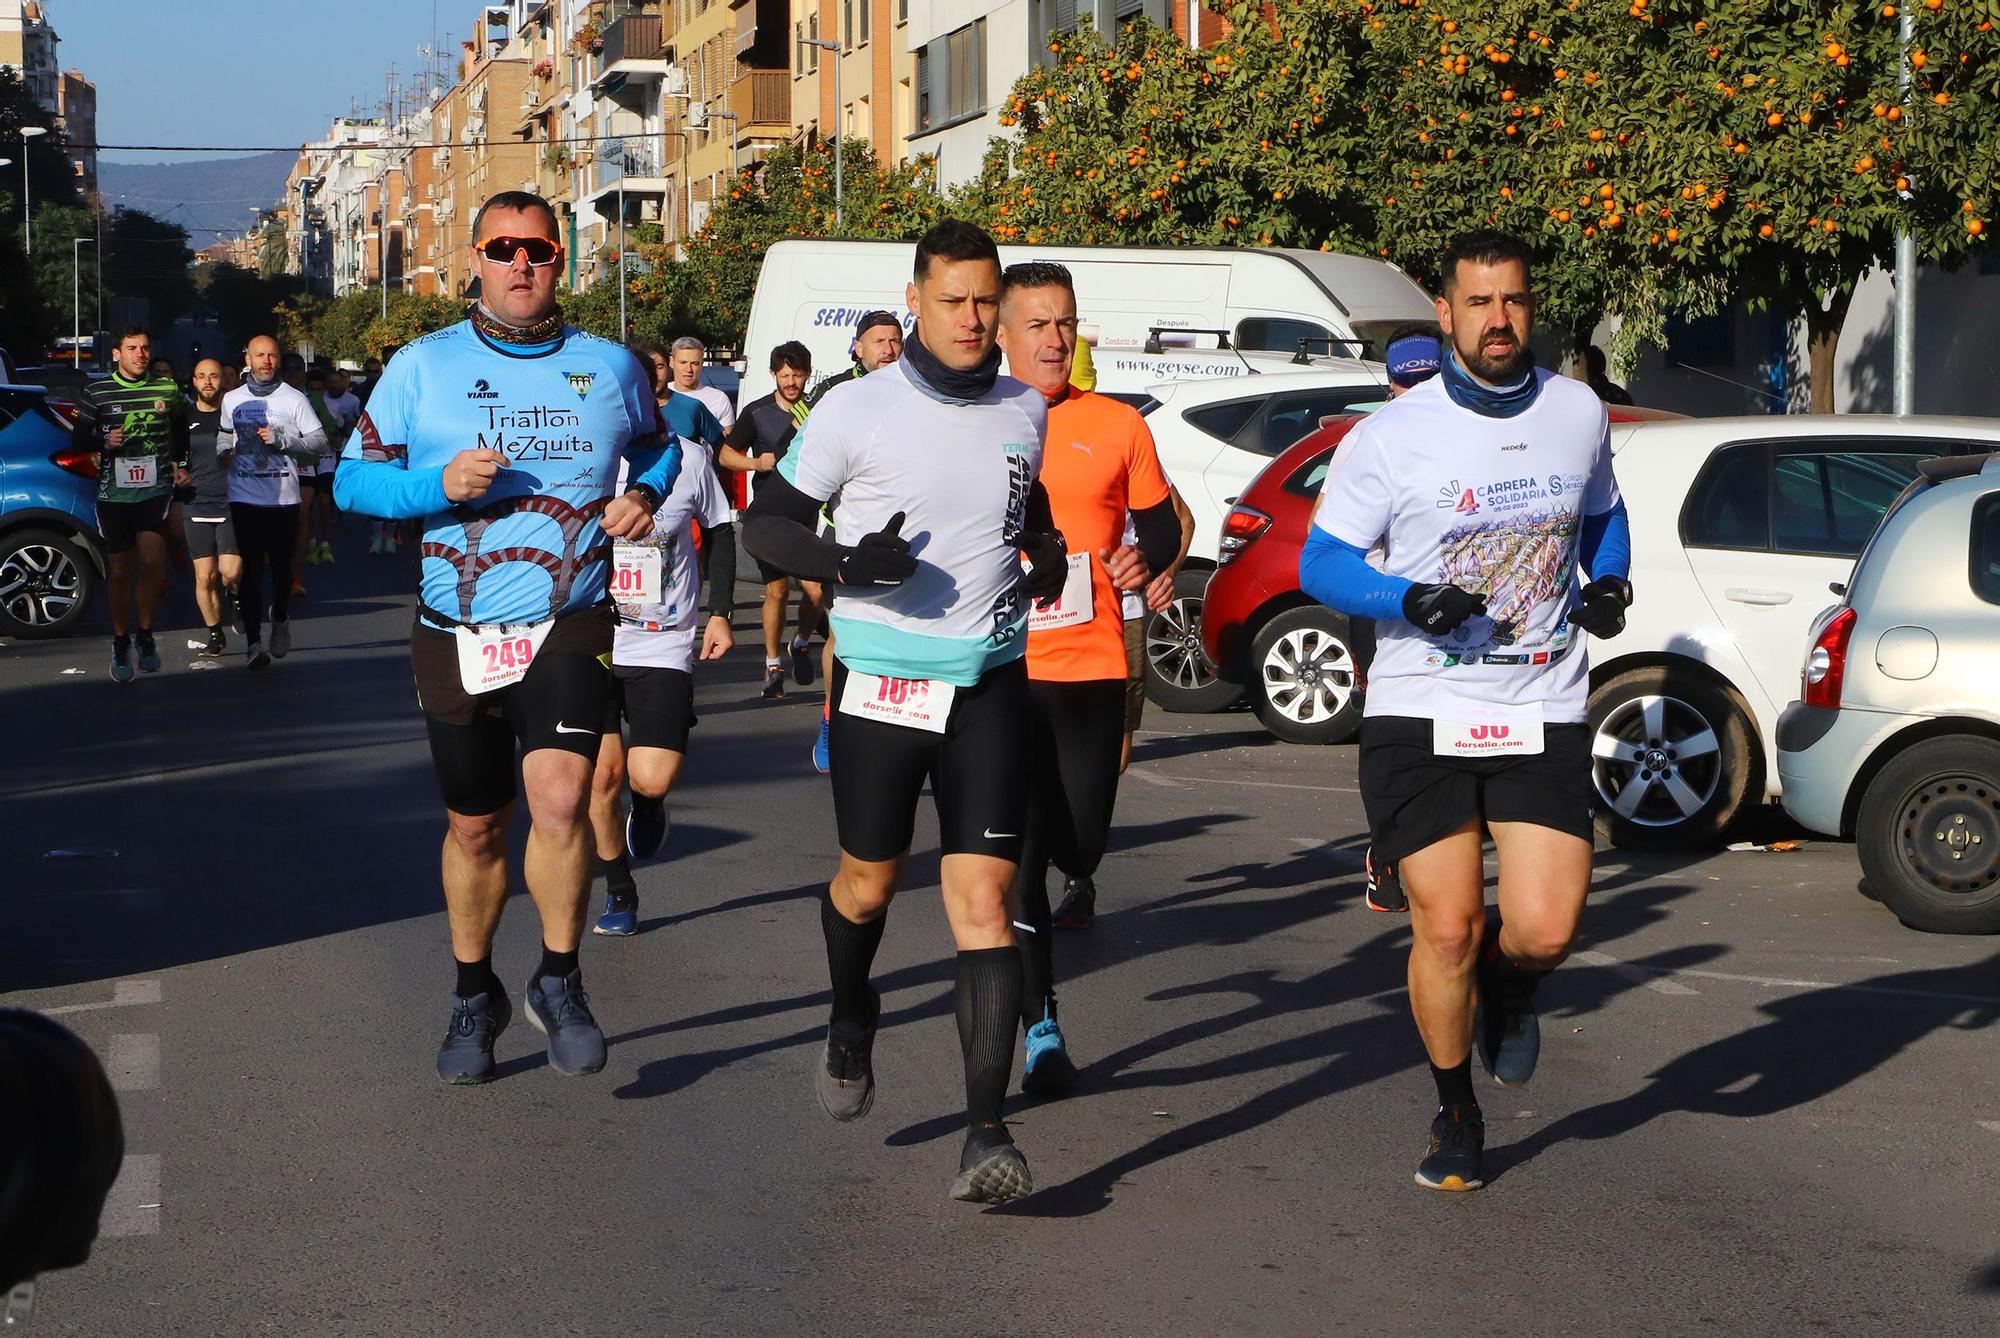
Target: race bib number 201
{"x": 492, "y": 657}
{"x": 635, "y": 573}
{"x": 918, "y": 703}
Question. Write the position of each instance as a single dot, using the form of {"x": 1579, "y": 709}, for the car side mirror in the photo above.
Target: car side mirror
{"x": 1838, "y": 587}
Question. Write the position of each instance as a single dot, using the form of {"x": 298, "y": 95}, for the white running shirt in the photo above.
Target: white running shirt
{"x": 258, "y": 474}
{"x": 663, "y": 635}
{"x": 1493, "y": 505}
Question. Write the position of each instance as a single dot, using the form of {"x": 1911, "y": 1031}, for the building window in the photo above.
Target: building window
{"x": 799, "y": 56}
{"x": 902, "y": 11}
{"x": 966, "y": 79}
{"x": 812, "y": 35}
{"x": 924, "y": 62}
{"x": 866, "y": 7}
{"x": 847, "y": 24}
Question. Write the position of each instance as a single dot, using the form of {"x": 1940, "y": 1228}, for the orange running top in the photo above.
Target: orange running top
{"x": 1098, "y": 463}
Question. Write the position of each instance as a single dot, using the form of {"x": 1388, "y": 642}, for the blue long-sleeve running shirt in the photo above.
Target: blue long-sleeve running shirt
{"x": 563, "y": 414}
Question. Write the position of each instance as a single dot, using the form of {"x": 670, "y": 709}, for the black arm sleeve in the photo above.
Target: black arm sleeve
{"x": 719, "y": 543}
{"x": 778, "y": 532}
{"x": 1040, "y": 517}
{"x": 1159, "y": 531}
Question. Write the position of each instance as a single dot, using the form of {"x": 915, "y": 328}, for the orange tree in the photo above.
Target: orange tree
{"x": 1140, "y": 140}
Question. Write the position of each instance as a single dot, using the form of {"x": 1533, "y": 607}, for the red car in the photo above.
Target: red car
{"x": 1292, "y": 653}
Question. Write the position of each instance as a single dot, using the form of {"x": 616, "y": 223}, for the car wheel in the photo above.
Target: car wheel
{"x": 1928, "y": 833}
{"x": 1179, "y": 674}
{"x": 1305, "y": 687}
{"x": 46, "y": 580}
{"x": 1674, "y": 759}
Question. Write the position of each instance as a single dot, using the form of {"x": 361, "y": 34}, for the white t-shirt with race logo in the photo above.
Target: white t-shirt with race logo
{"x": 1493, "y": 505}
{"x": 663, "y": 635}
{"x": 259, "y": 473}
{"x": 717, "y": 402}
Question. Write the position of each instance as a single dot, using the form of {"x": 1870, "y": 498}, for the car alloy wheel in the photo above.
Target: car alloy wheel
{"x": 1656, "y": 761}
{"x": 1308, "y": 676}
{"x": 1173, "y": 645}
{"x": 40, "y": 585}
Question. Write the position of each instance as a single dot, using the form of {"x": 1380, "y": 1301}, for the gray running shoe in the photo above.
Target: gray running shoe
{"x": 560, "y": 1010}
{"x": 991, "y": 1169}
{"x": 281, "y": 640}
{"x": 467, "y": 1053}
{"x": 845, "y": 1076}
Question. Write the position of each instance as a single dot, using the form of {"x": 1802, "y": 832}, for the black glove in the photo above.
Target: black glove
{"x": 1437, "y": 610}
{"x": 881, "y": 558}
{"x": 1048, "y": 566}
{"x": 1601, "y": 607}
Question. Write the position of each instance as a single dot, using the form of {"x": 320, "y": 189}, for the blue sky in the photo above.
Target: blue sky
{"x": 268, "y": 73}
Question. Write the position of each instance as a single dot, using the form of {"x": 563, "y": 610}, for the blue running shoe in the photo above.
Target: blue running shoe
{"x": 121, "y": 663}
{"x": 560, "y": 1010}
{"x": 822, "y": 755}
{"x": 621, "y": 915}
{"x": 149, "y": 653}
{"x": 467, "y": 1053}
{"x": 991, "y": 1169}
{"x": 1047, "y": 1069}
{"x": 1454, "y": 1159}
{"x": 645, "y": 827}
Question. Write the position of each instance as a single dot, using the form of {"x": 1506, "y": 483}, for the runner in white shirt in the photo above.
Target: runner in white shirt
{"x": 687, "y": 357}
{"x": 1487, "y": 485}
{"x": 268, "y": 432}
{"x": 656, "y": 582}
{"x": 930, "y": 465}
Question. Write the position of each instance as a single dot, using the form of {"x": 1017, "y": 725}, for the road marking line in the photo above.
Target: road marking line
{"x": 1267, "y": 785}
{"x": 1650, "y": 979}
{"x": 1331, "y": 851}
{"x": 1990, "y": 1126}
{"x": 1784, "y": 983}
{"x": 127, "y": 994}
{"x": 132, "y": 1208}
{"x": 1140, "y": 773}
{"x": 134, "y": 1065}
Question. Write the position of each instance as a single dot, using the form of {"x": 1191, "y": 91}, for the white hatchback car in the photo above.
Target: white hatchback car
{"x": 1739, "y": 528}
{"x": 1213, "y": 438}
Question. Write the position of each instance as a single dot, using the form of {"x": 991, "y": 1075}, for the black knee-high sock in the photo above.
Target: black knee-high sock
{"x": 989, "y": 1008}
{"x": 850, "y": 955}
{"x": 618, "y": 874}
{"x": 1035, "y": 932}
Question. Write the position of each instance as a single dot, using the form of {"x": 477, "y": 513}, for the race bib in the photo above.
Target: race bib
{"x": 137, "y": 471}
{"x": 1499, "y": 731}
{"x": 919, "y": 703}
{"x": 635, "y": 573}
{"x": 497, "y": 655}
{"x": 1077, "y": 604}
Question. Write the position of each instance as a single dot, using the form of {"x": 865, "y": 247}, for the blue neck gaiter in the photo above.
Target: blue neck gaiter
{"x": 1492, "y": 401}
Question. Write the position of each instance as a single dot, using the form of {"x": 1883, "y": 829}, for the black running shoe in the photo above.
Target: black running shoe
{"x": 1079, "y": 904}
{"x": 991, "y": 1169}
{"x": 774, "y": 683}
{"x": 1385, "y": 889}
{"x": 218, "y": 644}
{"x": 1457, "y": 1148}
{"x": 845, "y": 1077}
{"x": 802, "y": 663}
{"x": 1510, "y": 1034}
{"x": 645, "y": 826}
{"x": 467, "y": 1053}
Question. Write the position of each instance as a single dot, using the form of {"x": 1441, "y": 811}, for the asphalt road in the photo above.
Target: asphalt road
{"x": 1764, "y": 1107}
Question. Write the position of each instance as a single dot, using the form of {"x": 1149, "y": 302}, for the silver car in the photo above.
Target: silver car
{"x": 1895, "y": 739}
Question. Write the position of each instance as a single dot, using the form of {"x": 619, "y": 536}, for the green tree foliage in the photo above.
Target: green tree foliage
{"x": 149, "y": 258}
{"x": 245, "y": 303}
{"x": 64, "y": 271}
{"x": 351, "y": 328}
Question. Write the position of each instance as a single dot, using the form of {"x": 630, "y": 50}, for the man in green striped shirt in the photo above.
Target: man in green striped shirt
{"x": 137, "y": 424}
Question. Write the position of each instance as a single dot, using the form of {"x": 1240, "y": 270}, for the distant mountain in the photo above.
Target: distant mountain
{"x": 210, "y": 197}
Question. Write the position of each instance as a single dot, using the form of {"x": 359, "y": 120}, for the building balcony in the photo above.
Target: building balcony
{"x": 762, "y": 101}
{"x": 623, "y": 164}
{"x": 635, "y": 49}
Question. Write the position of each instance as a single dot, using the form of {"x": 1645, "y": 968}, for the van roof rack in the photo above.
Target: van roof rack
{"x": 1155, "y": 346}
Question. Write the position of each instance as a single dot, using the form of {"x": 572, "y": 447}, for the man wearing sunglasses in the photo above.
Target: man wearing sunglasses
{"x": 504, "y": 434}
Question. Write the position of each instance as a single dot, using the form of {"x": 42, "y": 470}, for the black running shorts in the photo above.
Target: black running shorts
{"x": 476, "y": 741}
{"x": 655, "y": 704}
{"x": 977, "y": 769}
{"x": 121, "y": 523}
{"x": 1415, "y": 798}
{"x": 212, "y": 538}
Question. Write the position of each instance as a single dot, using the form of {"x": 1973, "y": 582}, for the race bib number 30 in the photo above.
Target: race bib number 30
{"x": 138, "y": 471}
{"x": 495, "y": 656}
{"x": 1498, "y": 732}
{"x": 1077, "y": 604}
{"x": 918, "y": 703}
{"x": 635, "y": 573}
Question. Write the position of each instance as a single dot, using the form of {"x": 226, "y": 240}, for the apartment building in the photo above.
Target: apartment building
{"x": 864, "y": 88}
{"x": 76, "y": 114}
{"x": 28, "y": 47}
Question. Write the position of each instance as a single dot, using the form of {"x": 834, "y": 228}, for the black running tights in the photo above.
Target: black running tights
{"x": 265, "y": 534}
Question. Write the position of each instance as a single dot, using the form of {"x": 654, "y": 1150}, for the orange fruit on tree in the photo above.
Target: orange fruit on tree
{"x": 1918, "y": 60}
{"x": 1832, "y": 50}
{"x": 1562, "y": 215}
{"x": 1766, "y": 230}
{"x": 1605, "y": 191}
{"x": 1596, "y": 136}
{"x": 1774, "y": 120}
{"x": 1888, "y": 11}
{"x": 1942, "y": 99}
{"x": 1895, "y": 113}
{"x": 1966, "y": 207}
{"x": 1673, "y": 234}
{"x": 1974, "y": 227}
{"x": 1902, "y": 183}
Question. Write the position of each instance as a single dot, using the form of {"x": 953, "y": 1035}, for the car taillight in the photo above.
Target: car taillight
{"x": 63, "y": 409}
{"x": 79, "y": 461}
{"x": 1242, "y": 525}
{"x": 1826, "y": 663}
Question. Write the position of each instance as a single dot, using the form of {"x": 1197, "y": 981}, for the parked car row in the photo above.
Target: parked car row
{"x": 51, "y": 559}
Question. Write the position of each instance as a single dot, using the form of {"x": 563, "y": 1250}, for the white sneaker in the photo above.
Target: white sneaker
{"x": 281, "y": 640}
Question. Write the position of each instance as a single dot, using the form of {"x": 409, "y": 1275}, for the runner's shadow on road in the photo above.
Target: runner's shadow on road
{"x": 1815, "y": 1044}
{"x": 810, "y": 891}
{"x": 1988, "y": 1278}
{"x": 1165, "y": 748}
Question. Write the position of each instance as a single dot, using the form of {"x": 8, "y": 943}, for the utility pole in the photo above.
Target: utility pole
{"x": 1904, "y": 379}
{"x": 76, "y": 299}
{"x": 832, "y": 47}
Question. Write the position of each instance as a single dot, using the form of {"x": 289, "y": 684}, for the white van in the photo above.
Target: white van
{"x": 1276, "y": 301}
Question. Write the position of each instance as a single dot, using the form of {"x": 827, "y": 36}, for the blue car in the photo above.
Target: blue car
{"x": 51, "y": 559}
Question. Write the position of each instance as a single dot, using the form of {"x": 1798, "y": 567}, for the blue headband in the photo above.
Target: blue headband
{"x": 1413, "y": 358}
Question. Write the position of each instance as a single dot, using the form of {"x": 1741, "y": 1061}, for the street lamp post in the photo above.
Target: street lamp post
{"x": 829, "y": 45}
{"x": 735, "y": 136}
{"x": 1903, "y": 382}
{"x": 28, "y": 132}
{"x": 76, "y": 299}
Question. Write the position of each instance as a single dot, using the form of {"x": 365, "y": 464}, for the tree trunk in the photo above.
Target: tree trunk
{"x": 1823, "y": 324}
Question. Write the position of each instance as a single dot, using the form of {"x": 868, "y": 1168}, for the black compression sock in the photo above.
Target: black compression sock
{"x": 989, "y": 1009}
{"x": 1455, "y": 1085}
{"x": 477, "y": 978}
{"x": 122, "y": 640}
{"x": 850, "y": 956}
{"x": 618, "y": 874}
{"x": 556, "y": 963}
{"x": 1034, "y": 939}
